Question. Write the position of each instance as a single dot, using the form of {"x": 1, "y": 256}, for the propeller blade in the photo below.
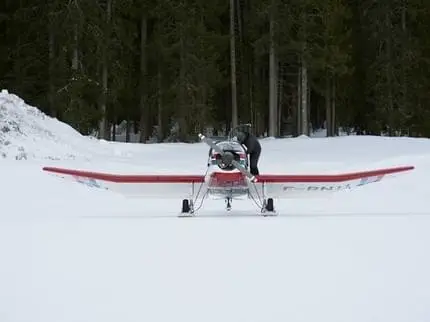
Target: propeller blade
{"x": 238, "y": 166}
{"x": 211, "y": 143}
{"x": 244, "y": 171}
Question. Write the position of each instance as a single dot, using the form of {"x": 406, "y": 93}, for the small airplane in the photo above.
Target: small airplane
{"x": 227, "y": 178}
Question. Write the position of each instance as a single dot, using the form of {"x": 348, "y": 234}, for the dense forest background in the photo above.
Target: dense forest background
{"x": 170, "y": 68}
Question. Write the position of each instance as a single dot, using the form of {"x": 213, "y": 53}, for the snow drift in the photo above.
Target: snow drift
{"x": 28, "y": 133}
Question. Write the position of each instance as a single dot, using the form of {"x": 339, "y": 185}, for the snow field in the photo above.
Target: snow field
{"x": 72, "y": 253}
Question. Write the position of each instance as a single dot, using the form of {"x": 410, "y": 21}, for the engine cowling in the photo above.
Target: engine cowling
{"x": 232, "y": 151}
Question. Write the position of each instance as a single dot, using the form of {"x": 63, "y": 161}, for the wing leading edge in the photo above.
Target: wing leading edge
{"x": 121, "y": 178}
{"x": 266, "y": 178}
{"x": 281, "y": 178}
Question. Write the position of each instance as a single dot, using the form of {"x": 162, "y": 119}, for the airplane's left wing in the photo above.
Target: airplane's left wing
{"x": 142, "y": 186}
{"x": 310, "y": 186}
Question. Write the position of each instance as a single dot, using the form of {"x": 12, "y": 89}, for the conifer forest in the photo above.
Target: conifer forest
{"x": 171, "y": 68}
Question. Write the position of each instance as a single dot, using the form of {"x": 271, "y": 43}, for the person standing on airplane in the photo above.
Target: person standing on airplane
{"x": 252, "y": 145}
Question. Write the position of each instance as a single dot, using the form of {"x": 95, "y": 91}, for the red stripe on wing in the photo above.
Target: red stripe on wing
{"x": 117, "y": 178}
{"x": 273, "y": 178}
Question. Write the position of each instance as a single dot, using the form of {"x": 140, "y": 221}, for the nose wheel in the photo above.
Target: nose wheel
{"x": 228, "y": 203}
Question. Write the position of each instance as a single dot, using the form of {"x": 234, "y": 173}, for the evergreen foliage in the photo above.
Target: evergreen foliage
{"x": 163, "y": 67}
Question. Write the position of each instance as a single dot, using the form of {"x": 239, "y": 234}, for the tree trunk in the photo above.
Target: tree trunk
{"x": 127, "y": 129}
{"x": 389, "y": 70}
{"x": 273, "y": 79}
{"x": 328, "y": 106}
{"x": 113, "y": 131}
{"x": 334, "y": 128}
{"x": 234, "y": 116}
{"x": 51, "y": 93}
{"x": 404, "y": 61}
{"x": 75, "y": 65}
{"x": 144, "y": 113}
{"x": 304, "y": 99}
{"x": 183, "y": 110}
{"x": 280, "y": 100}
{"x": 75, "y": 57}
{"x": 405, "y": 65}
{"x": 160, "y": 105}
{"x": 251, "y": 93}
{"x": 103, "y": 126}
{"x": 299, "y": 103}
{"x": 308, "y": 104}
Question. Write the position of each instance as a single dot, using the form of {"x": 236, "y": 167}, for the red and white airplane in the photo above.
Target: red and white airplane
{"x": 227, "y": 178}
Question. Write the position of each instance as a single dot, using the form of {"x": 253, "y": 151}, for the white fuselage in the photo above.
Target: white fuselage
{"x": 224, "y": 181}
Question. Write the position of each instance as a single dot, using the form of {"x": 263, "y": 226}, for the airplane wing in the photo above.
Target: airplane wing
{"x": 309, "y": 186}
{"x": 142, "y": 186}
{"x": 186, "y": 186}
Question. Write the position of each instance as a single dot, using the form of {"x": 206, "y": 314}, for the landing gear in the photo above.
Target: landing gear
{"x": 187, "y": 208}
{"x": 268, "y": 208}
{"x": 228, "y": 203}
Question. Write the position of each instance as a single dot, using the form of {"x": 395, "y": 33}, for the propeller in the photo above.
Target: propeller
{"x": 228, "y": 157}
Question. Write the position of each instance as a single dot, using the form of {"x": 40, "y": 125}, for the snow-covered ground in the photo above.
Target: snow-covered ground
{"x": 72, "y": 253}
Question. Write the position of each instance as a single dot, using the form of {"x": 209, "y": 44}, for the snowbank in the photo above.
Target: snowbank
{"x": 28, "y": 133}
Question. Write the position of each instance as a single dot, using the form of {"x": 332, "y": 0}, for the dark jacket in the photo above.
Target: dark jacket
{"x": 253, "y": 148}
{"x": 252, "y": 144}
